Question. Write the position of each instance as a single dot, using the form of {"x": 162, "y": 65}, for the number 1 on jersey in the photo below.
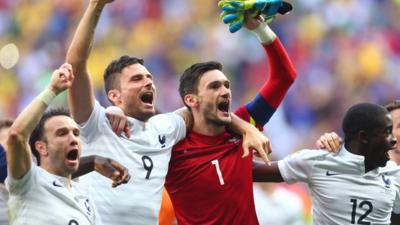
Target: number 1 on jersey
{"x": 216, "y": 164}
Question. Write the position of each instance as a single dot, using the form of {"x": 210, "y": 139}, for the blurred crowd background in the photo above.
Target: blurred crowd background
{"x": 345, "y": 51}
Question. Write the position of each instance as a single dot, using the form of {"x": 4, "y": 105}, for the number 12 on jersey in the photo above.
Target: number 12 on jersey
{"x": 219, "y": 173}
{"x": 365, "y": 205}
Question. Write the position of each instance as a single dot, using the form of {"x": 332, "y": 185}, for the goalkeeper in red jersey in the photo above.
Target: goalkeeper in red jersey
{"x": 208, "y": 180}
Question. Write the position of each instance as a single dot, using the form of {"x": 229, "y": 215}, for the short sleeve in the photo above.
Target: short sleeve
{"x": 23, "y": 185}
{"x": 298, "y": 166}
{"x": 92, "y": 126}
{"x": 396, "y": 175}
{"x": 174, "y": 122}
{"x": 396, "y": 206}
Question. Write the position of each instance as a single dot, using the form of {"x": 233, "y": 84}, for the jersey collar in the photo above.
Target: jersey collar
{"x": 357, "y": 160}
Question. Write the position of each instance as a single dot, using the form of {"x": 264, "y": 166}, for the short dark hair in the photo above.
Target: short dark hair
{"x": 6, "y": 123}
{"x": 362, "y": 116}
{"x": 113, "y": 70}
{"x": 192, "y": 75}
{"x": 393, "y": 105}
{"x": 38, "y": 133}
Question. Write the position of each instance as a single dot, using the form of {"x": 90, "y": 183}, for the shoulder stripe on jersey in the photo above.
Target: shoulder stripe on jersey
{"x": 252, "y": 121}
{"x": 260, "y": 110}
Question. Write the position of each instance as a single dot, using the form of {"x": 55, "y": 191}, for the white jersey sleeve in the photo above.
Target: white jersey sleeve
{"x": 299, "y": 165}
{"x": 396, "y": 206}
{"x": 172, "y": 121}
{"x": 396, "y": 175}
{"x": 92, "y": 127}
{"x": 23, "y": 185}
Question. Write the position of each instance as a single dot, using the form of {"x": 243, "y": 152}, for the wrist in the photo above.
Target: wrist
{"x": 97, "y": 3}
{"x": 47, "y": 96}
{"x": 264, "y": 33}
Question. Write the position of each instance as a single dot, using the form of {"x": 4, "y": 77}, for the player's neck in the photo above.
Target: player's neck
{"x": 353, "y": 148}
{"x": 56, "y": 171}
{"x": 206, "y": 128}
{"x": 370, "y": 165}
{"x": 357, "y": 149}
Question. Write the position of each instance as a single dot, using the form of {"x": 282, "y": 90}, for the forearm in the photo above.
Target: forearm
{"x": 86, "y": 165}
{"x": 282, "y": 75}
{"x": 30, "y": 116}
{"x": 80, "y": 95}
{"x": 79, "y": 50}
{"x": 19, "y": 157}
{"x": 266, "y": 173}
{"x": 282, "y": 72}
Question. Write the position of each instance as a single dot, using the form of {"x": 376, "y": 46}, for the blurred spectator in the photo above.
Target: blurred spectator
{"x": 5, "y": 124}
{"x": 275, "y": 205}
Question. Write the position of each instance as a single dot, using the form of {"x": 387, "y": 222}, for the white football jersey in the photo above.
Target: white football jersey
{"x": 3, "y": 205}
{"x": 146, "y": 155}
{"x": 342, "y": 193}
{"x": 44, "y": 198}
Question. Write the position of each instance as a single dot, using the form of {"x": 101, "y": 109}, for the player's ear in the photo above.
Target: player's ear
{"x": 115, "y": 96}
{"x": 40, "y": 147}
{"x": 191, "y": 100}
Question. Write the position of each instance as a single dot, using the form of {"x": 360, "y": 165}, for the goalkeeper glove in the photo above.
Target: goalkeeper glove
{"x": 233, "y": 10}
{"x": 266, "y": 7}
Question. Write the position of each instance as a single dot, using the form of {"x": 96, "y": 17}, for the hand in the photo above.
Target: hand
{"x": 329, "y": 141}
{"x": 234, "y": 11}
{"x": 112, "y": 169}
{"x": 256, "y": 140}
{"x": 235, "y": 20}
{"x": 61, "y": 78}
{"x": 266, "y": 7}
{"x": 252, "y": 22}
{"x": 119, "y": 122}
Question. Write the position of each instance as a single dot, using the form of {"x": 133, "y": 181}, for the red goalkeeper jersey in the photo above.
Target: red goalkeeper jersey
{"x": 209, "y": 182}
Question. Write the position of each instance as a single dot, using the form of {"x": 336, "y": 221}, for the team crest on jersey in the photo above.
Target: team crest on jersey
{"x": 386, "y": 181}
{"x": 89, "y": 210}
{"x": 162, "y": 139}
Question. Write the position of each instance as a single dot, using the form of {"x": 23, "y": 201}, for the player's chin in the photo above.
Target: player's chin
{"x": 148, "y": 112}
{"x": 71, "y": 165}
{"x": 72, "y": 169}
{"x": 225, "y": 119}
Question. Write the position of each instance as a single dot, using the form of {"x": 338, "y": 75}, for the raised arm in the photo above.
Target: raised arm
{"x": 81, "y": 96}
{"x": 19, "y": 156}
{"x": 282, "y": 74}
